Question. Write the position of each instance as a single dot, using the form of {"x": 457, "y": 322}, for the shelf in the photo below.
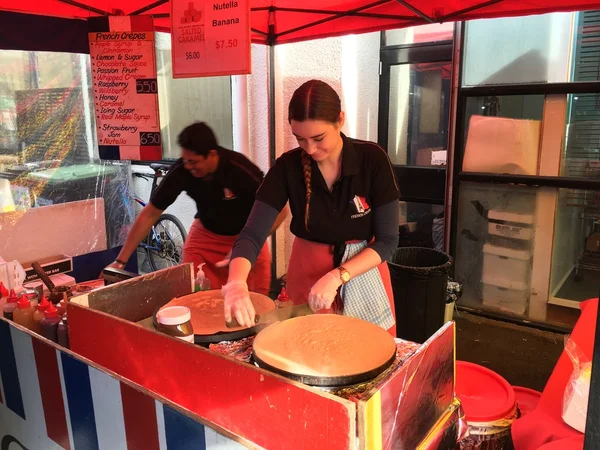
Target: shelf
{"x": 591, "y": 213}
{"x": 589, "y": 261}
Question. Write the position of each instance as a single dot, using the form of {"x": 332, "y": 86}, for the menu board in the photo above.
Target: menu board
{"x": 210, "y": 38}
{"x": 125, "y": 94}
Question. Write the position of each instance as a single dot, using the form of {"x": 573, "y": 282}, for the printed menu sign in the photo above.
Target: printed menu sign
{"x": 125, "y": 93}
{"x": 210, "y": 38}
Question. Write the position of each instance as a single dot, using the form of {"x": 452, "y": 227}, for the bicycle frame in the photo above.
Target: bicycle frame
{"x": 157, "y": 174}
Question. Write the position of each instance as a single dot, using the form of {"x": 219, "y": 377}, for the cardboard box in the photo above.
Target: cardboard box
{"x": 52, "y": 266}
{"x": 593, "y": 243}
{"x": 58, "y": 280}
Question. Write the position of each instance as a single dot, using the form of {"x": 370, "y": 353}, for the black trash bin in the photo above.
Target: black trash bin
{"x": 419, "y": 280}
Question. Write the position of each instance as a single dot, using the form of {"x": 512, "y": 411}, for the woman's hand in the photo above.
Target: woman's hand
{"x": 237, "y": 303}
{"x": 322, "y": 294}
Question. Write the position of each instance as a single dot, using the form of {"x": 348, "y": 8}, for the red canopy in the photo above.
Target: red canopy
{"x": 295, "y": 20}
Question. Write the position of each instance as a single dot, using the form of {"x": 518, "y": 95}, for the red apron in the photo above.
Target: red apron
{"x": 204, "y": 246}
{"x": 309, "y": 262}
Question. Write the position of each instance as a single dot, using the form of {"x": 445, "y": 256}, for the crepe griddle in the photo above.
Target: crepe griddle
{"x": 327, "y": 382}
{"x": 206, "y": 339}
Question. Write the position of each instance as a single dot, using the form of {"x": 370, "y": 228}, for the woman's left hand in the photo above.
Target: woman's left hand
{"x": 322, "y": 294}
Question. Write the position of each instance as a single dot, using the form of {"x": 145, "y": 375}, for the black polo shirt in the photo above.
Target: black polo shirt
{"x": 223, "y": 199}
{"x": 345, "y": 213}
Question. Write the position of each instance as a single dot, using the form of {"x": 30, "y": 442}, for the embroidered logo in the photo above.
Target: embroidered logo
{"x": 362, "y": 207}
{"x": 228, "y": 194}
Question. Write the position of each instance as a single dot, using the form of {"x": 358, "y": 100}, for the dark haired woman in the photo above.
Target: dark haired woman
{"x": 344, "y": 201}
{"x": 223, "y": 184}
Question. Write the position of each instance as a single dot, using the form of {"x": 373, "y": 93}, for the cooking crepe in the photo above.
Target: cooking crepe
{"x": 206, "y": 308}
{"x": 324, "y": 345}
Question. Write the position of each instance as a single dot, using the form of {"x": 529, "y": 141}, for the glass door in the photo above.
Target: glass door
{"x": 414, "y": 113}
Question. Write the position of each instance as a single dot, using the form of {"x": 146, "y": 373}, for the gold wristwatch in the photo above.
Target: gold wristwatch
{"x": 344, "y": 275}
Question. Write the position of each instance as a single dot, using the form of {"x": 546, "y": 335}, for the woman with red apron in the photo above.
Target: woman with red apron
{"x": 344, "y": 201}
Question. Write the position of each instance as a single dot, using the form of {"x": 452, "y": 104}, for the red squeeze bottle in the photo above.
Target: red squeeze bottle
{"x": 3, "y": 294}
{"x": 49, "y": 324}
{"x": 23, "y": 315}
{"x": 282, "y": 299}
{"x": 39, "y": 314}
{"x": 11, "y": 305}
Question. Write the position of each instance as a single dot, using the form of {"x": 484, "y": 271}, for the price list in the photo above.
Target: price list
{"x": 210, "y": 38}
{"x": 125, "y": 94}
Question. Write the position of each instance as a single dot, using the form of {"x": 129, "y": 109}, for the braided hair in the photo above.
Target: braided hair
{"x": 314, "y": 100}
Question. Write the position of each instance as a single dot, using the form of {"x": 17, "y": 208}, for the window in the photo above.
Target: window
{"x": 436, "y": 32}
{"x": 419, "y": 101}
{"x": 576, "y": 251}
{"x": 502, "y": 134}
{"x": 531, "y": 49}
{"x": 516, "y": 248}
{"x": 526, "y": 225}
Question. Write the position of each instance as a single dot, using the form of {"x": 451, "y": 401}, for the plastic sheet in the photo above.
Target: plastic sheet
{"x": 56, "y": 194}
{"x": 419, "y": 393}
{"x": 577, "y": 391}
{"x": 450, "y": 429}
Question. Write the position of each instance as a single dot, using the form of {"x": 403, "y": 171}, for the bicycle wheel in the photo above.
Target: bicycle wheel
{"x": 164, "y": 244}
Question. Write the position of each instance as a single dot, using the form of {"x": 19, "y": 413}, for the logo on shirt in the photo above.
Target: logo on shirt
{"x": 362, "y": 207}
{"x": 228, "y": 194}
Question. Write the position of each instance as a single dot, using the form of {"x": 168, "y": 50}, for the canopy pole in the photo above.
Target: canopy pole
{"x": 418, "y": 12}
{"x": 271, "y": 38}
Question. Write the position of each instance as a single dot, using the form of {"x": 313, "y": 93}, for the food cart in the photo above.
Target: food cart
{"x": 124, "y": 384}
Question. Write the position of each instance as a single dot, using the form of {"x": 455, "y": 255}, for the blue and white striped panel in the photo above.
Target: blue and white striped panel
{"x": 178, "y": 432}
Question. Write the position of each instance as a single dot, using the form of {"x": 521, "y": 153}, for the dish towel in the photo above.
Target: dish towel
{"x": 364, "y": 297}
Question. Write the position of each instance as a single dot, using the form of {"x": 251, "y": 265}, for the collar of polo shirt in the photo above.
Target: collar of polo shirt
{"x": 349, "y": 159}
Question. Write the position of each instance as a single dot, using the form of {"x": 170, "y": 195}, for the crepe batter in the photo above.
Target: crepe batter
{"x": 324, "y": 345}
{"x": 207, "y": 310}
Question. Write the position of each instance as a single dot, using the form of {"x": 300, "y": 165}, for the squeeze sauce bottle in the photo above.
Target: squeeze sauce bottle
{"x": 39, "y": 314}
{"x": 23, "y": 315}
{"x": 11, "y": 304}
{"x": 282, "y": 299}
{"x": 63, "y": 332}
{"x": 3, "y": 294}
{"x": 202, "y": 282}
{"x": 32, "y": 296}
{"x": 61, "y": 307}
{"x": 49, "y": 324}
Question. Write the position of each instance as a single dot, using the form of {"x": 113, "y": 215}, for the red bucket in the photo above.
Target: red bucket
{"x": 527, "y": 399}
{"x": 489, "y": 404}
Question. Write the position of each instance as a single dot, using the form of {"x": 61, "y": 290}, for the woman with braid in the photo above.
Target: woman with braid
{"x": 344, "y": 201}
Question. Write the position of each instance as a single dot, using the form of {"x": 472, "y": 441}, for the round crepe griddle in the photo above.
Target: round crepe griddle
{"x": 261, "y": 302}
{"x": 325, "y": 350}
{"x": 327, "y": 382}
